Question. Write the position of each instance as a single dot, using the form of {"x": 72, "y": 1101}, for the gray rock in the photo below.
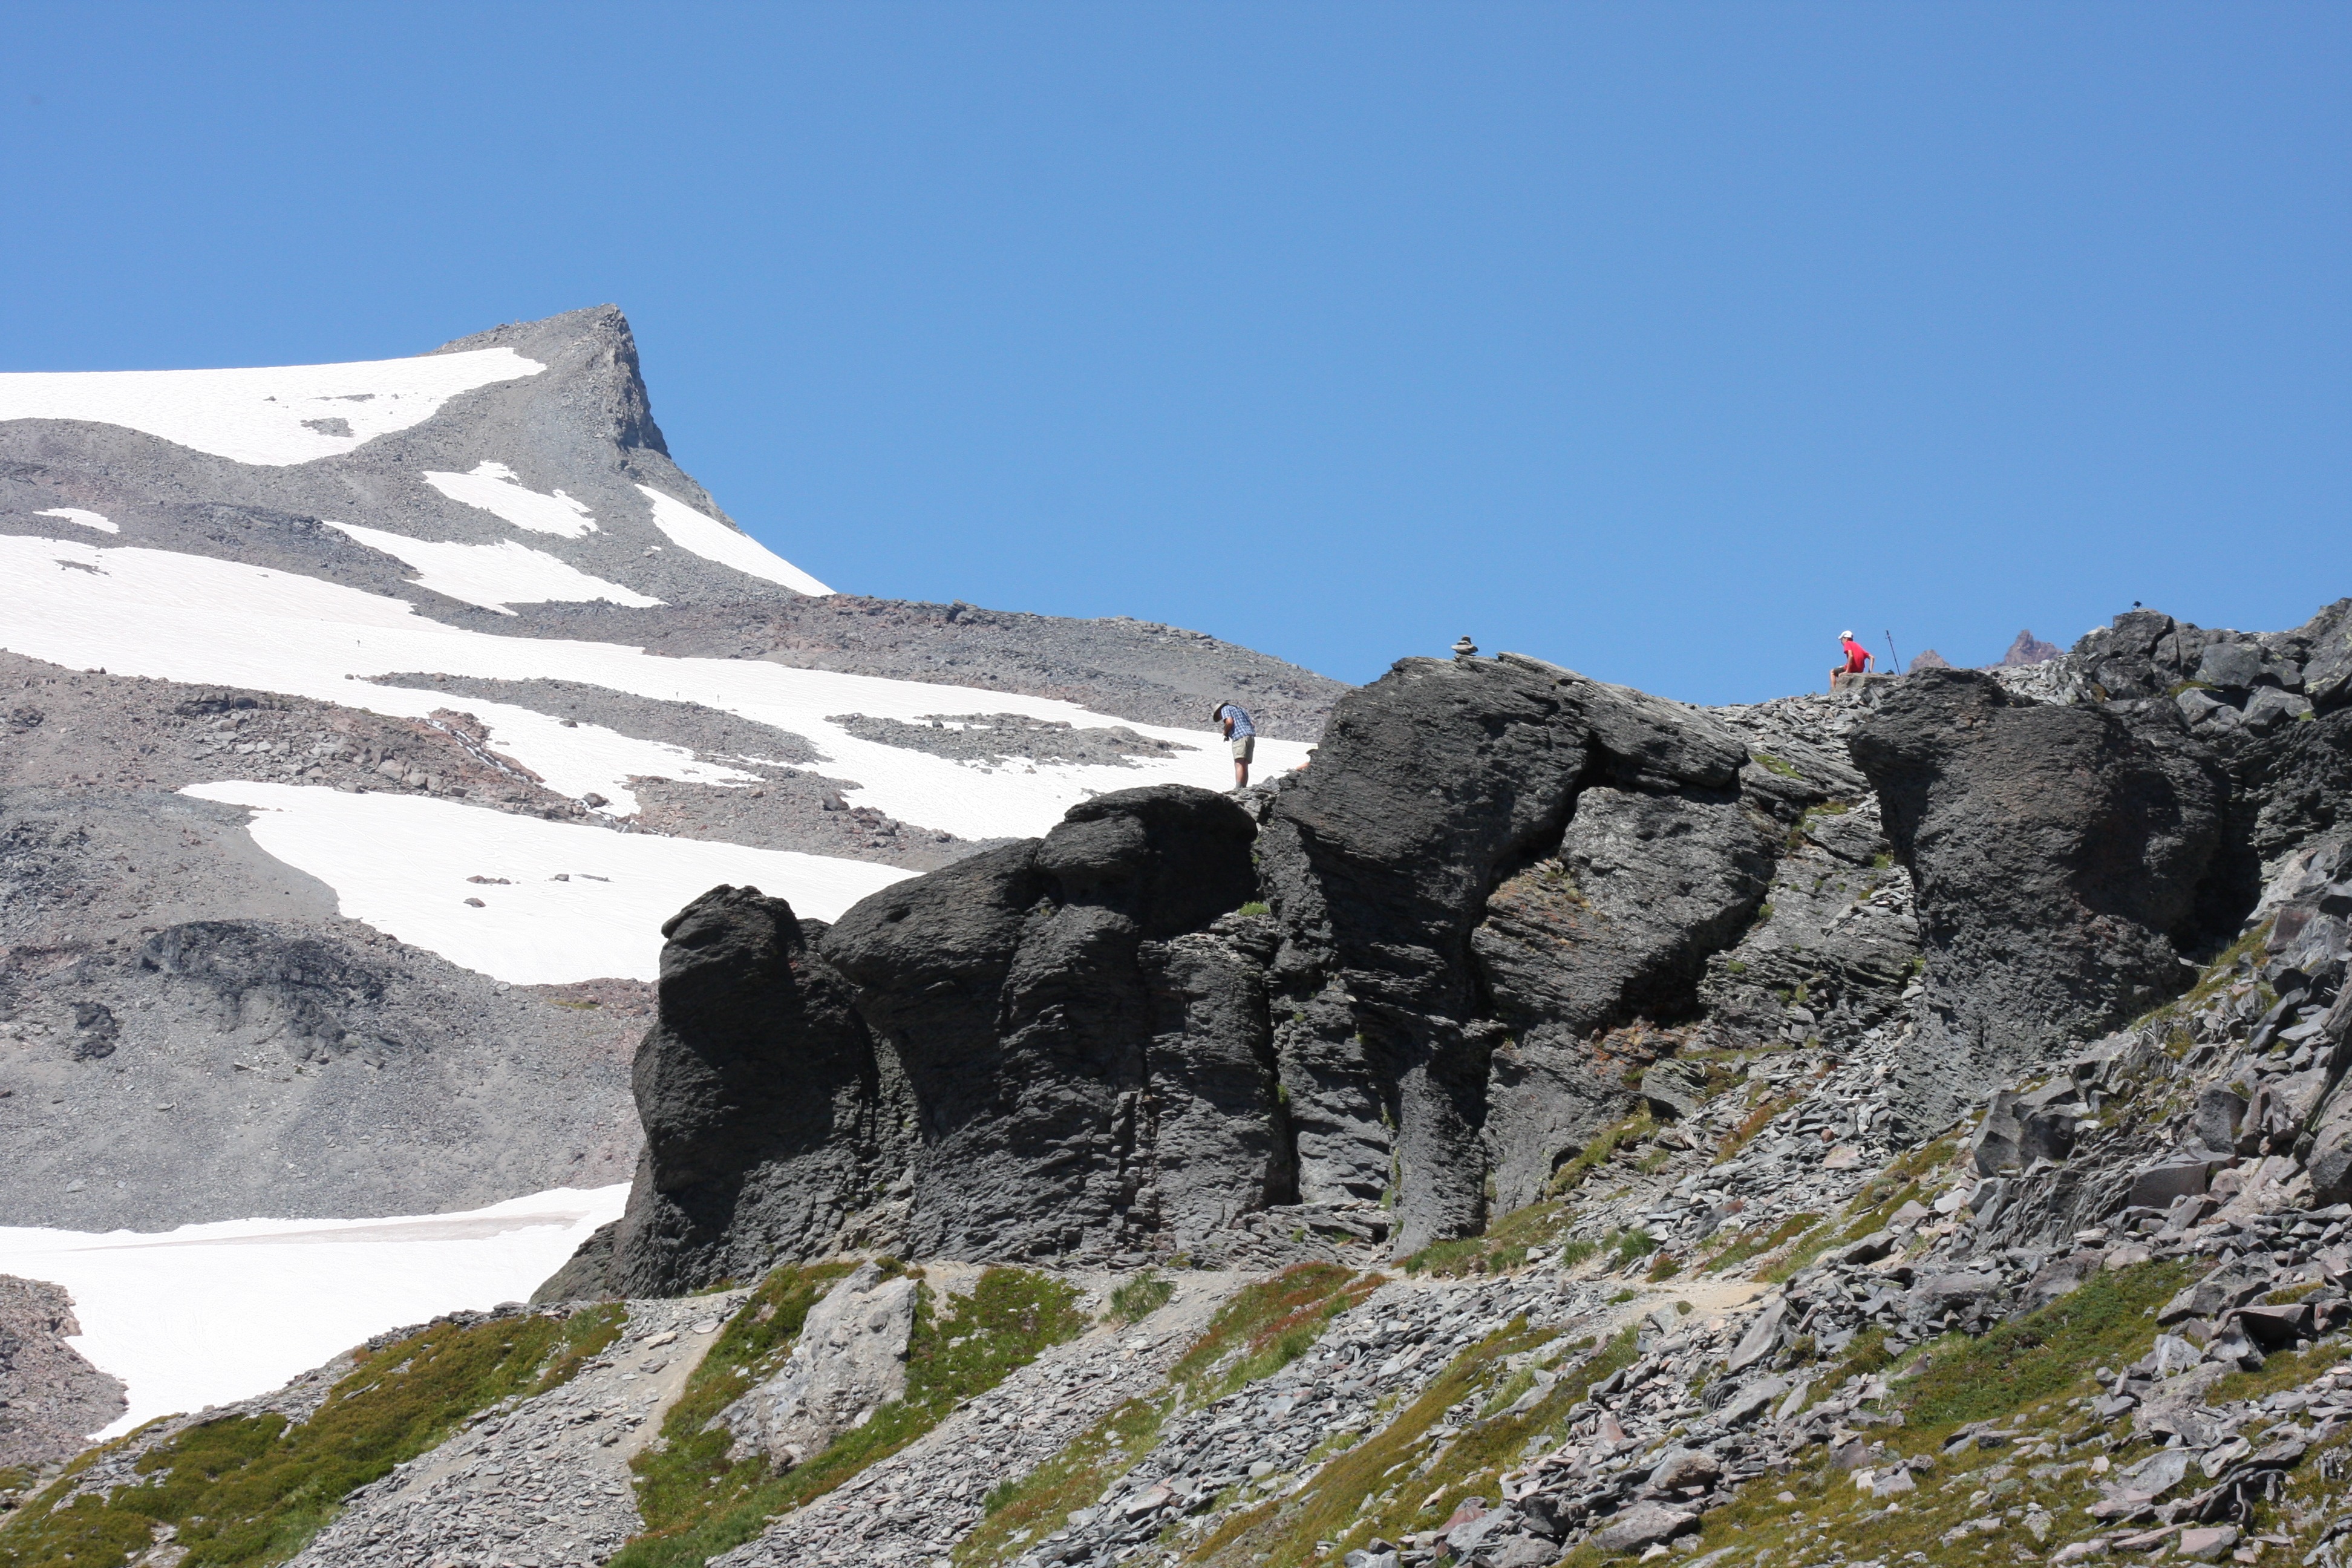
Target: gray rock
{"x": 2238, "y": 664}
{"x": 849, "y": 1360}
{"x": 1762, "y": 1338}
{"x": 767, "y": 1120}
{"x": 2327, "y": 661}
{"x": 2158, "y": 1185}
{"x": 2270, "y": 708}
{"x": 1675, "y": 1087}
{"x": 51, "y": 1399}
{"x": 2056, "y": 852}
{"x": 1642, "y": 1525}
{"x": 2218, "y": 1114}
{"x": 1685, "y": 1467}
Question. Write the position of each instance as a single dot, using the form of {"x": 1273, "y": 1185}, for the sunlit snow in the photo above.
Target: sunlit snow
{"x": 87, "y": 518}
{"x": 401, "y": 863}
{"x": 210, "y": 1314}
{"x": 714, "y": 540}
{"x": 494, "y": 488}
{"x": 492, "y": 575}
{"x": 200, "y": 620}
{"x": 269, "y": 417}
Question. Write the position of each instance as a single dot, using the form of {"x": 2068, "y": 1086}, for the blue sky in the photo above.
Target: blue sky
{"x": 1665, "y": 340}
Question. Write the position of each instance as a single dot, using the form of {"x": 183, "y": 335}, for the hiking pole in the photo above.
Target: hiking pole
{"x": 1890, "y": 654}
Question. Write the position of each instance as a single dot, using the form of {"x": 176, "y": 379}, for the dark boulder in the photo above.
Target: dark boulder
{"x": 767, "y": 1122}
{"x": 1490, "y": 851}
{"x": 1014, "y": 993}
{"x": 2060, "y": 857}
{"x": 1058, "y": 1045}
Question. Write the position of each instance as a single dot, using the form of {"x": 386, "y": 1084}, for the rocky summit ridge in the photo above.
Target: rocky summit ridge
{"x": 1555, "y": 1126}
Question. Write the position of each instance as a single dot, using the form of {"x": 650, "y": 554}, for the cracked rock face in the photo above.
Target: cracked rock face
{"x": 1499, "y": 903}
{"x": 2063, "y": 860}
{"x": 1083, "y": 1046}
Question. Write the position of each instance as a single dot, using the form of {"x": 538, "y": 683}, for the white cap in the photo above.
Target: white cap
{"x": 1846, "y": 634}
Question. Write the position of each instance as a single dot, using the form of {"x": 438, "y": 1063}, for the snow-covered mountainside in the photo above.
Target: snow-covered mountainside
{"x": 362, "y": 724}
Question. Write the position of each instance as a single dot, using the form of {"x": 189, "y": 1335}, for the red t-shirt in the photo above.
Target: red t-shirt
{"x": 1855, "y": 656}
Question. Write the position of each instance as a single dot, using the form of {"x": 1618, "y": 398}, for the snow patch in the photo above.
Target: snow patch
{"x": 492, "y": 575}
{"x": 714, "y": 540}
{"x": 271, "y": 417}
{"x": 494, "y": 488}
{"x": 401, "y": 864}
{"x": 210, "y": 1314}
{"x": 197, "y": 619}
{"x": 87, "y": 518}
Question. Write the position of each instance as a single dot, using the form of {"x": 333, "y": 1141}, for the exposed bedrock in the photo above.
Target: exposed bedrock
{"x": 51, "y": 1399}
{"x": 1488, "y": 851}
{"x": 2065, "y": 860}
{"x": 1093, "y": 1044}
{"x": 767, "y": 1125}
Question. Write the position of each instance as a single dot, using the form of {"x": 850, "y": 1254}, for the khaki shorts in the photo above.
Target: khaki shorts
{"x": 1244, "y": 748}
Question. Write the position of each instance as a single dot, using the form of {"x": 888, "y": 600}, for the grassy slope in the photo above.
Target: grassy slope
{"x": 252, "y": 1489}
{"x": 1406, "y": 1476}
{"x": 699, "y": 1501}
{"x": 1266, "y": 1326}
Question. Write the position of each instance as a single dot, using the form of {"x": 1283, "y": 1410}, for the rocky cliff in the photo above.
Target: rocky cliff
{"x": 1387, "y": 1002}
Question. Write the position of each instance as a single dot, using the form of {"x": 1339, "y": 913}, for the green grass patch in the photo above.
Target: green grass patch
{"x": 1394, "y": 1482}
{"x": 1503, "y": 1246}
{"x": 1750, "y": 1244}
{"x": 252, "y": 1489}
{"x": 1140, "y": 1296}
{"x": 1266, "y": 1326}
{"x": 698, "y": 1500}
{"x": 1254, "y": 906}
{"x": 1772, "y": 764}
{"x": 2049, "y": 1352}
{"x": 1631, "y": 1245}
{"x": 2288, "y": 1369}
{"x": 1634, "y": 1130}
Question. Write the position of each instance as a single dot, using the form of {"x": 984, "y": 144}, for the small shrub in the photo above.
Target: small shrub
{"x": 1633, "y": 1244}
{"x": 1254, "y": 906}
{"x": 1140, "y": 1296}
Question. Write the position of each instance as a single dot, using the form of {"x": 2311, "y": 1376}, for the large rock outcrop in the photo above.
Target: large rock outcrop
{"x": 1057, "y": 1047}
{"x": 51, "y": 1399}
{"x": 1490, "y": 854}
{"x": 1084, "y": 1044}
{"x": 2063, "y": 858}
{"x": 768, "y": 1123}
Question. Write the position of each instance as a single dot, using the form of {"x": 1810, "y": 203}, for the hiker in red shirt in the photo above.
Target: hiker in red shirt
{"x": 1857, "y": 659}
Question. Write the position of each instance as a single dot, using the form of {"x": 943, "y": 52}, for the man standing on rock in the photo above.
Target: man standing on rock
{"x": 1857, "y": 659}
{"x": 1238, "y": 729}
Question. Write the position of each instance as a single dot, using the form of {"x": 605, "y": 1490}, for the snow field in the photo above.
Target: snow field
{"x": 271, "y": 417}
{"x": 193, "y": 618}
{"x": 401, "y": 864}
{"x": 714, "y": 540}
{"x": 494, "y": 488}
{"x": 87, "y": 518}
{"x": 210, "y": 1314}
{"x": 492, "y": 575}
